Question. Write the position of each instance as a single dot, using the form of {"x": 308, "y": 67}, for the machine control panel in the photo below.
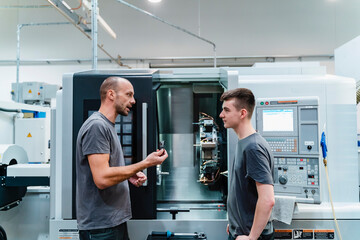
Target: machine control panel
{"x": 297, "y": 176}
{"x": 290, "y": 126}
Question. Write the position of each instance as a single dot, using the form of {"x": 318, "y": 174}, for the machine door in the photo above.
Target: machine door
{"x": 137, "y": 131}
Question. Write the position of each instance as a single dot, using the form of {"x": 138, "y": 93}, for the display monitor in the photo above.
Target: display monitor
{"x": 278, "y": 120}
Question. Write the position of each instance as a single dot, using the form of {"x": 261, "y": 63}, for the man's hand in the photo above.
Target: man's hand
{"x": 138, "y": 179}
{"x": 227, "y": 229}
{"x": 156, "y": 158}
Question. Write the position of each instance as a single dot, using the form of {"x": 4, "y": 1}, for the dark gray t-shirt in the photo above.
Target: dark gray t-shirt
{"x": 99, "y": 208}
{"x": 253, "y": 163}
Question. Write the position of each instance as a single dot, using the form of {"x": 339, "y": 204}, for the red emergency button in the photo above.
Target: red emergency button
{"x": 266, "y": 103}
{"x": 312, "y": 183}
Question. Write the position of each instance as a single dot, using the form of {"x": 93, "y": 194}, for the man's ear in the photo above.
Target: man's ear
{"x": 243, "y": 113}
{"x": 111, "y": 94}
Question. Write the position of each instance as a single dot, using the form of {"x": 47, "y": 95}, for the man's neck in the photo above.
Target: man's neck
{"x": 109, "y": 114}
{"x": 244, "y": 130}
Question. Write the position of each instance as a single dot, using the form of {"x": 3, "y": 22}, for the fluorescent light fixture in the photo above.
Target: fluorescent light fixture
{"x": 66, "y": 5}
{"x": 107, "y": 28}
{"x": 154, "y": 1}
{"x": 102, "y": 22}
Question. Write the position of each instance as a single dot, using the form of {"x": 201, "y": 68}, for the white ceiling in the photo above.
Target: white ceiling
{"x": 238, "y": 27}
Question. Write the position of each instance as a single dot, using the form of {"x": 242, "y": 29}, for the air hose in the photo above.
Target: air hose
{"x": 324, "y": 153}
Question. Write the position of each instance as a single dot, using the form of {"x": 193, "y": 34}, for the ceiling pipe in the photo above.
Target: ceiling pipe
{"x": 222, "y": 60}
{"x": 25, "y": 6}
{"x": 172, "y": 25}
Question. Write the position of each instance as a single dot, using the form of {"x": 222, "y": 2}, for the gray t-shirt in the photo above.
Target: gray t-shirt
{"x": 99, "y": 208}
{"x": 253, "y": 163}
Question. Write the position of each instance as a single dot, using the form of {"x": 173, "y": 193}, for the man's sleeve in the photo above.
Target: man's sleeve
{"x": 96, "y": 140}
{"x": 258, "y": 166}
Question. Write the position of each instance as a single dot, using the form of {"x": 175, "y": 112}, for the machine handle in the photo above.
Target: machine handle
{"x": 144, "y": 136}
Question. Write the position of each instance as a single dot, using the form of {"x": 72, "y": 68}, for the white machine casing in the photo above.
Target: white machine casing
{"x": 39, "y": 93}
{"x": 33, "y": 135}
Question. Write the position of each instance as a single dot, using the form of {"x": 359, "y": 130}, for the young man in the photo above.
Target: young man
{"x": 103, "y": 199}
{"x": 251, "y": 190}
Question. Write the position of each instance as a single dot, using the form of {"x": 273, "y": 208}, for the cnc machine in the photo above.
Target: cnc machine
{"x": 295, "y": 103}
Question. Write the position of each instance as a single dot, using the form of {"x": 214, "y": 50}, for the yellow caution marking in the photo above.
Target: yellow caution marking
{"x": 30, "y": 91}
{"x": 29, "y": 135}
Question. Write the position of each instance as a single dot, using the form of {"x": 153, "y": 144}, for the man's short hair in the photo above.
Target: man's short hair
{"x": 110, "y": 83}
{"x": 244, "y": 98}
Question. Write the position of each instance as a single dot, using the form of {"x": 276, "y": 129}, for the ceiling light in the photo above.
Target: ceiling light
{"x": 154, "y": 1}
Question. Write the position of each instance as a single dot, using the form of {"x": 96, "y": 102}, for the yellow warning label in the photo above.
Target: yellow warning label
{"x": 30, "y": 91}
{"x": 29, "y": 135}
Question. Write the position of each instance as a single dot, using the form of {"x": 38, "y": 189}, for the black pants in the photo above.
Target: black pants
{"x": 262, "y": 237}
{"x": 115, "y": 233}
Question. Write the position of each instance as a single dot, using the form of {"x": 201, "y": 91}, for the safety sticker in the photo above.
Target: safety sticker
{"x": 324, "y": 234}
{"x": 283, "y": 234}
{"x": 72, "y": 234}
{"x": 303, "y": 234}
{"x": 29, "y": 135}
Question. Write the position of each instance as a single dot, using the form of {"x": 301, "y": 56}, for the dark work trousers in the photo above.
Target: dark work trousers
{"x": 262, "y": 237}
{"x": 115, "y": 233}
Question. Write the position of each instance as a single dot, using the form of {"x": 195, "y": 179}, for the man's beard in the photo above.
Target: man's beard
{"x": 121, "y": 111}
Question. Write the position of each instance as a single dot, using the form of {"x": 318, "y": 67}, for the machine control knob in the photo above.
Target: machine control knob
{"x": 309, "y": 147}
{"x": 285, "y": 168}
{"x": 283, "y": 179}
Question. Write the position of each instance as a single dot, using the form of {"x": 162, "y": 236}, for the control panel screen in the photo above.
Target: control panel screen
{"x": 278, "y": 120}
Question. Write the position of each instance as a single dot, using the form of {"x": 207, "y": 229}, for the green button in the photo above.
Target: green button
{"x": 262, "y": 103}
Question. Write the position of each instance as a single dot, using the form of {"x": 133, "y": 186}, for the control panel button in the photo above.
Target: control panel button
{"x": 283, "y": 179}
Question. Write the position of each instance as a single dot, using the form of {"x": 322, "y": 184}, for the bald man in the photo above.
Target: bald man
{"x": 103, "y": 199}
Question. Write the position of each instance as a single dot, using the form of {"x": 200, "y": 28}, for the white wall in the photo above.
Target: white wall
{"x": 238, "y": 27}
